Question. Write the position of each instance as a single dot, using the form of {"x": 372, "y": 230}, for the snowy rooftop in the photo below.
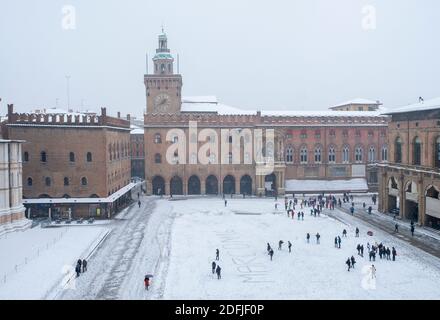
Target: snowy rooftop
{"x": 353, "y": 185}
{"x": 136, "y": 130}
{"x": 357, "y": 101}
{"x": 431, "y": 104}
{"x": 210, "y": 104}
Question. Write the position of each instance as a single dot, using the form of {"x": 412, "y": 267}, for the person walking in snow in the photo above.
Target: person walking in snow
{"x": 353, "y": 261}
{"x": 289, "y": 245}
{"x": 280, "y": 244}
{"x": 276, "y": 206}
{"x": 268, "y": 247}
{"x": 359, "y": 249}
{"x": 336, "y": 242}
{"x": 339, "y": 242}
{"x": 373, "y": 271}
{"x": 226, "y": 203}
{"x": 348, "y": 263}
{"x": 388, "y": 253}
{"x": 362, "y": 251}
{"x": 344, "y": 233}
{"x": 271, "y": 254}
{"x": 139, "y": 203}
{"x": 368, "y": 246}
{"x": 219, "y": 272}
{"x": 412, "y": 230}
{"x": 78, "y": 270}
{"x": 302, "y": 215}
{"x": 146, "y": 283}
{"x": 79, "y": 263}
{"x": 396, "y": 228}
{"x": 394, "y": 253}
{"x": 317, "y": 238}
{"x": 84, "y": 265}
{"x": 357, "y": 232}
{"x": 217, "y": 254}
{"x": 352, "y": 210}
{"x": 370, "y": 209}
{"x": 213, "y": 266}
{"x": 308, "y": 237}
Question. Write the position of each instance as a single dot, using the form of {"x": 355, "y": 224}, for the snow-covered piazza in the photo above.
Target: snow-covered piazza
{"x": 175, "y": 240}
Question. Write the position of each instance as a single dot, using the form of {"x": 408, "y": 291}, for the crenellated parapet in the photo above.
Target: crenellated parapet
{"x": 65, "y": 119}
{"x": 202, "y": 119}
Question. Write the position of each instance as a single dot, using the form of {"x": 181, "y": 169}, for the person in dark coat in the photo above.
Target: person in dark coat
{"x": 359, "y": 249}
{"x": 139, "y": 203}
{"x": 79, "y": 263}
{"x": 213, "y": 267}
{"x": 353, "y": 261}
{"x": 412, "y": 230}
{"x": 388, "y": 254}
{"x": 226, "y": 202}
{"x": 268, "y": 247}
{"x": 362, "y": 250}
{"x": 289, "y": 245}
{"x": 84, "y": 265}
{"x": 344, "y": 233}
{"x": 396, "y": 228}
{"x": 217, "y": 254}
{"x": 280, "y": 244}
{"x": 308, "y": 237}
{"x": 339, "y": 242}
{"x": 393, "y": 251}
{"x": 77, "y": 270}
{"x": 317, "y": 238}
{"x": 219, "y": 272}
{"x": 336, "y": 242}
{"x": 146, "y": 282}
{"x": 271, "y": 254}
{"x": 357, "y": 232}
{"x": 348, "y": 263}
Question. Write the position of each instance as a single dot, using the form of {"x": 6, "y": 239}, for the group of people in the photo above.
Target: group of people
{"x": 384, "y": 252}
{"x": 270, "y": 251}
{"x": 216, "y": 269}
{"x": 81, "y": 266}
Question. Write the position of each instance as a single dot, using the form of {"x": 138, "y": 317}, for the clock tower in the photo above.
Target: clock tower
{"x": 163, "y": 87}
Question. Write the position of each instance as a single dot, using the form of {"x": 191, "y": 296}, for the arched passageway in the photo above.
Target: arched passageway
{"x": 193, "y": 185}
{"x": 211, "y": 185}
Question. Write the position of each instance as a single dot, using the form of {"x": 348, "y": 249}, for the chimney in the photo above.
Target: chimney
{"x": 103, "y": 112}
{"x": 10, "y": 109}
{"x": 119, "y": 114}
{"x": 128, "y": 116}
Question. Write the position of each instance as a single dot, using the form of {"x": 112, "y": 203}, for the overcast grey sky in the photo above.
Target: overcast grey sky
{"x": 298, "y": 54}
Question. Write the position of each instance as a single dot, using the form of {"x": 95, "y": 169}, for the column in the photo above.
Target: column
{"x": 237, "y": 185}
{"x": 202, "y": 186}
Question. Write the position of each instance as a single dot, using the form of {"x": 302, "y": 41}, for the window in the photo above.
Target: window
{"x": 71, "y": 157}
{"x": 317, "y": 134}
{"x": 345, "y": 133}
{"x": 230, "y": 139}
{"x": 417, "y": 151}
{"x": 357, "y": 133}
{"x": 157, "y": 158}
{"x": 358, "y": 155}
{"x": 83, "y": 181}
{"x": 332, "y": 133}
{"x": 318, "y": 155}
{"x": 398, "y": 150}
{"x": 303, "y": 155}
{"x": 384, "y": 153}
{"x": 331, "y": 155}
{"x": 371, "y": 154}
{"x": 303, "y": 134}
{"x": 157, "y": 138}
{"x": 289, "y": 154}
{"x": 66, "y": 181}
{"x": 43, "y": 156}
{"x": 29, "y": 181}
{"x": 26, "y": 156}
{"x": 346, "y": 155}
{"x": 370, "y": 134}
{"x": 47, "y": 181}
{"x": 89, "y": 157}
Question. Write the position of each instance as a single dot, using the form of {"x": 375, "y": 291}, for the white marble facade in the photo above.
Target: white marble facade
{"x": 12, "y": 211}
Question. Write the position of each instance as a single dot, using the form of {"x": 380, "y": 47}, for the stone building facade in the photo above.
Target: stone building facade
{"x": 137, "y": 152}
{"x": 410, "y": 182}
{"x": 71, "y": 155}
{"x": 320, "y": 145}
{"x": 12, "y": 211}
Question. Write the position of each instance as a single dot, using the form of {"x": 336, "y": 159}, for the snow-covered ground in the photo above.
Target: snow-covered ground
{"x": 312, "y": 271}
{"x": 36, "y": 262}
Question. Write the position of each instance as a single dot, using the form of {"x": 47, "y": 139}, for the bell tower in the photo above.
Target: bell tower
{"x": 163, "y": 87}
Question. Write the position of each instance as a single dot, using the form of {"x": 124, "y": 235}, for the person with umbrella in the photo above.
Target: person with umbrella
{"x": 147, "y": 281}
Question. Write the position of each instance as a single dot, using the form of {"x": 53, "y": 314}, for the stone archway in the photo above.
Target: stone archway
{"x": 158, "y": 185}
{"x": 229, "y": 185}
{"x": 176, "y": 186}
{"x": 211, "y": 185}
{"x": 194, "y": 185}
{"x": 246, "y": 185}
{"x": 270, "y": 184}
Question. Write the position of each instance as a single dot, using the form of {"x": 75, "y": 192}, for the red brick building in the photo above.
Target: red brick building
{"x": 71, "y": 156}
{"x": 137, "y": 152}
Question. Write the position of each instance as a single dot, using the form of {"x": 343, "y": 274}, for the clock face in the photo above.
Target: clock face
{"x": 162, "y": 103}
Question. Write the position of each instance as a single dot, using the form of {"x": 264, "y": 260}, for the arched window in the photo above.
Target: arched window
{"x": 26, "y": 156}
{"x": 175, "y": 139}
{"x": 358, "y": 154}
{"x": 398, "y": 150}
{"x": 71, "y": 157}
{"x": 84, "y": 181}
{"x": 43, "y": 156}
{"x": 371, "y": 154}
{"x": 89, "y": 157}
{"x": 47, "y": 181}
{"x": 417, "y": 151}
{"x": 346, "y": 155}
{"x": 289, "y": 154}
{"x": 437, "y": 153}
{"x": 303, "y": 155}
{"x": 331, "y": 155}
{"x": 29, "y": 181}
{"x": 66, "y": 181}
{"x": 157, "y": 158}
{"x": 318, "y": 158}
{"x": 157, "y": 138}
{"x": 384, "y": 153}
